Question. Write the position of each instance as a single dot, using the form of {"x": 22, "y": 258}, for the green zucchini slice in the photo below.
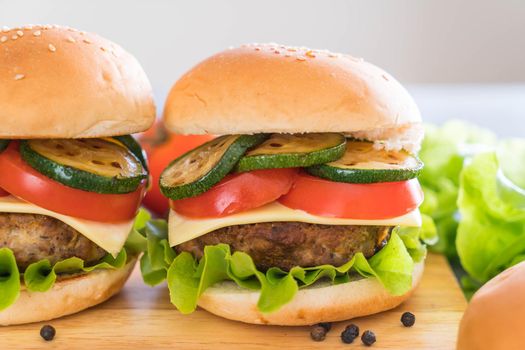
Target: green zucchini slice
{"x": 294, "y": 150}
{"x": 198, "y": 170}
{"x": 132, "y": 144}
{"x": 94, "y": 165}
{"x": 3, "y": 145}
{"x": 363, "y": 163}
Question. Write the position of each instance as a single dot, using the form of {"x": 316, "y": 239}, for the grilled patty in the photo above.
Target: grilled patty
{"x": 34, "y": 237}
{"x": 289, "y": 244}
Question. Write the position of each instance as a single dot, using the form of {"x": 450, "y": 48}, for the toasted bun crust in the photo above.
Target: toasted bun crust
{"x": 320, "y": 303}
{"x": 67, "y": 296}
{"x": 495, "y": 316}
{"x": 57, "y": 82}
{"x": 274, "y": 88}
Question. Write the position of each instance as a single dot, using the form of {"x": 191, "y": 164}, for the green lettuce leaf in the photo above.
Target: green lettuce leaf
{"x": 9, "y": 278}
{"x": 415, "y": 237}
{"x": 158, "y": 255}
{"x": 41, "y": 276}
{"x": 444, "y": 151}
{"x": 491, "y": 234}
{"x": 188, "y": 278}
{"x": 136, "y": 241}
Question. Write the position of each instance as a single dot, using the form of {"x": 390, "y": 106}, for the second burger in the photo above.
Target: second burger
{"x": 306, "y": 208}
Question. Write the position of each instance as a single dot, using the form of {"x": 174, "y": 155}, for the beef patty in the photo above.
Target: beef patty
{"x": 289, "y": 244}
{"x": 34, "y": 237}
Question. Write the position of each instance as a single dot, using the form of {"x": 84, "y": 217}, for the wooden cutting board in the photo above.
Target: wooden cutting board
{"x": 141, "y": 317}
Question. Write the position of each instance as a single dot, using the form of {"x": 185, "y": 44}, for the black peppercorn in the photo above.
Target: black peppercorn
{"x": 350, "y": 333}
{"x": 326, "y": 325}
{"x": 318, "y": 333}
{"x": 408, "y": 319}
{"x": 368, "y": 338}
{"x": 47, "y": 332}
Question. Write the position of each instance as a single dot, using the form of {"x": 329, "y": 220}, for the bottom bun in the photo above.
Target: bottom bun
{"x": 67, "y": 296}
{"x": 318, "y": 303}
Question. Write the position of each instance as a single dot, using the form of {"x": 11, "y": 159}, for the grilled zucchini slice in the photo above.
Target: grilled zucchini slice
{"x": 94, "y": 165}
{"x": 132, "y": 144}
{"x": 294, "y": 150}
{"x": 363, "y": 163}
{"x": 198, "y": 170}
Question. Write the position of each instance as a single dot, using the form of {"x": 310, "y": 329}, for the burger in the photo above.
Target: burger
{"x": 304, "y": 208}
{"x": 71, "y": 176}
{"x": 494, "y": 316}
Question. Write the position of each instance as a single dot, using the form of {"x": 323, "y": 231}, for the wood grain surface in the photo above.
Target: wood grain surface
{"x": 141, "y": 317}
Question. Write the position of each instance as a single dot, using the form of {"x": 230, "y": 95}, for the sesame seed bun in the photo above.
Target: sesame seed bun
{"x": 318, "y": 303}
{"x": 58, "y": 82}
{"x": 67, "y": 296}
{"x": 495, "y": 316}
{"x": 273, "y": 88}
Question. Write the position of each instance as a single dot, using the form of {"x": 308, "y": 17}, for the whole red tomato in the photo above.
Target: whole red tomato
{"x": 162, "y": 147}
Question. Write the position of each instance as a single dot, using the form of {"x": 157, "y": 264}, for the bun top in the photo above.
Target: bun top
{"x": 275, "y": 88}
{"x": 58, "y": 82}
{"x": 495, "y": 316}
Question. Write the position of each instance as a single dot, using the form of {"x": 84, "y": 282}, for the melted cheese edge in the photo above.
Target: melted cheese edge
{"x": 109, "y": 236}
{"x": 183, "y": 229}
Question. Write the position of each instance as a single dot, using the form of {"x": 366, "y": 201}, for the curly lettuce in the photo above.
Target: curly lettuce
{"x": 444, "y": 151}
{"x": 40, "y": 276}
{"x": 491, "y": 233}
{"x": 188, "y": 278}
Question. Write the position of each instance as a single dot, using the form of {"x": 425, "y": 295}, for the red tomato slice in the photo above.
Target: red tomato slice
{"x": 353, "y": 201}
{"x": 3, "y": 193}
{"x": 19, "y": 179}
{"x": 238, "y": 192}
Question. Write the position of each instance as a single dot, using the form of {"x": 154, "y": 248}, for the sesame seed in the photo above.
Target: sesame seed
{"x": 103, "y": 48}
{"x": 20, "y": 33}
{"x": 3, "y": 39}
{"x": 87, "y": 41}
{"x": 37, "y": 33}
{"x": 331, "y": 54}
{"x": 301, "y": 58}
{"x": 46, "y": 27}
{"x": 82, "y": 32}
{"x": 5, "y": 29}
{"x": 292, "y": 49}
{"x": 257, "y": 49}
{"x": 19, "y": 76}
{"x": 72, "y": 29}
{"x": 310, "y": 53}
{"x": 28, "y": 27}
{"x": 71, "y": 40}
{"x": 14, "y": 37}
{"x": 277, "y": 52}
{"x": 52, "y": 47}
{"x": 287, "y": 55}
{"x": 114, "y": 53}
{"x": 385, "y": 77}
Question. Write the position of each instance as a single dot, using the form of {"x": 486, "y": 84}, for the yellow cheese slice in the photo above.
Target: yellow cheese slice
{"x": 183, "y": 229}
{"x": 109, "y": 236}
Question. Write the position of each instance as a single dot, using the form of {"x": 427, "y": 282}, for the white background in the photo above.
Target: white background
{"x": 426, "y": 44}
